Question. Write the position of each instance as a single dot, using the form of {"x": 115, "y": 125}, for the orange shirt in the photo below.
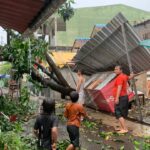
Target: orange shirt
{"x": 73, "y": 112}
{"x": 121, "y": 79}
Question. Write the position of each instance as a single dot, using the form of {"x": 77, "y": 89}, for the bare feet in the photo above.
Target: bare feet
{"x": 118, "y": 129}
{"x": 123, "y": 131}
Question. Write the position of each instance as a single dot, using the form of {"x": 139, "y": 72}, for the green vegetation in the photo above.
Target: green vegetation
{"x": 84, "y": 19}
{"x": 62, "y": 145}
{"x": 11, "y": 130}
{"x": 66, "y": 11}
{"x": 19, "y": 53}
{"x": 89, "y": 124}
{"x": 5, "y": 68}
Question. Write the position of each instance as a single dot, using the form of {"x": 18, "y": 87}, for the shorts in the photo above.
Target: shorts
{"x": 44, "y": 145}
{"x": 73, "y": 132}
{"x": 121, "y": 109}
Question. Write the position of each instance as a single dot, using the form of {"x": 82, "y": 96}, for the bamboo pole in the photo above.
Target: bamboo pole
{"x": 131, "y": 70}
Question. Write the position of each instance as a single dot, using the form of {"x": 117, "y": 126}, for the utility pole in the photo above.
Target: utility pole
{"x": 131, "y": 70}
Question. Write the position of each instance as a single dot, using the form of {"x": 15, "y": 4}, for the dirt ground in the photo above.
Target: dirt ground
{"x": 95, "y": 134}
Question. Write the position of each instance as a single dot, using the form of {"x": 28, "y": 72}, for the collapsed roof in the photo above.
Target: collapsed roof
{"x": 26, "y": 15}
{"x": 107, "y": 48}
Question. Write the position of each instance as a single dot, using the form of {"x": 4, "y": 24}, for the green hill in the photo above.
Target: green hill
{"x": 82, "y": 23}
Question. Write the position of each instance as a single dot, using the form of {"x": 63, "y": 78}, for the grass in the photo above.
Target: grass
{"x": 5, "y": 68}
{"x": 82, "y": 23}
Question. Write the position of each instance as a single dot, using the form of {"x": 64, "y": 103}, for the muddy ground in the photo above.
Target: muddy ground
{"x": 94, "y": 135}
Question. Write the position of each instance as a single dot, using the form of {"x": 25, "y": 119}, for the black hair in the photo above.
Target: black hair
{"x": 48, "y": 106}
{"x": 80, "y": 70}
{"x": 120, "y": 66}
{"x": 74, "y": 96}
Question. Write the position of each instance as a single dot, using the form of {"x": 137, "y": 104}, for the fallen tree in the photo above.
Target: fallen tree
{"x": 22, "y": 53}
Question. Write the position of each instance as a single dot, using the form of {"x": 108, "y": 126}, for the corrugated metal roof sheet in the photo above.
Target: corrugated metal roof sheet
{"x": 107, "y": 48}
{"x": 21, "y": 14}
{"x": 79, "y": 42}
{"x": 97, "y": 28}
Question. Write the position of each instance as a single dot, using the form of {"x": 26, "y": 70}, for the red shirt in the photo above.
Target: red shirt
{"x": 121, "y": 79}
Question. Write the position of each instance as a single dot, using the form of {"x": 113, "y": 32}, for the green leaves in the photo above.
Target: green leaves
{"x": 62, "y": 145}
{"x": 66, "y": 11}
{"x": 18, "y": 53}
{"x": 89, "y": 124}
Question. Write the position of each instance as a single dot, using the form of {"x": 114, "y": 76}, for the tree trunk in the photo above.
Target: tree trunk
{"x": 60, "y": 86}
{"x": 56, "y": 87}
{"x": 56, "y": 71}
{"x": 46, "y": 72}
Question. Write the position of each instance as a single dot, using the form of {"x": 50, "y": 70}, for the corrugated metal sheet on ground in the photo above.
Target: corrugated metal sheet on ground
{"x": 107, "y": 48}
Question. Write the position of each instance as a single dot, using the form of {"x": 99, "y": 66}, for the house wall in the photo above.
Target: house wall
{"x": 143, "y": 30}
{"x": 141, "y": 83}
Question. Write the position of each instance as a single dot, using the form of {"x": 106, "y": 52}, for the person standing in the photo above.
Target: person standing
{"x": 73, "y": 112}
{"x": 121, "y": 97}
{"x": 80, "y": 87}
{"x": 46, "y": 126}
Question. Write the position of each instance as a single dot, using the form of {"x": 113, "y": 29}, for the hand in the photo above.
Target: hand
{"x": 90, "y": 118}
{"x": 117, "y": 101}
{"x": 54, "y": 146}
{"x": 131, "y": 75}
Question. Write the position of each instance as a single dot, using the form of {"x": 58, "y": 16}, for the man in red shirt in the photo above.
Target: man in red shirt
{"x": 121, "y": 97}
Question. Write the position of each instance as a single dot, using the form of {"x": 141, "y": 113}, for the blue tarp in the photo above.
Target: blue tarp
{"x": 145, "y": 43}
{"x": 4, "y": 76}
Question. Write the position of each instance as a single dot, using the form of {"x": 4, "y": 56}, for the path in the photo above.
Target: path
{"x": 90, "y": 138}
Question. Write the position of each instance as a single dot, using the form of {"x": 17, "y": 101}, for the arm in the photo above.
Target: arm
{"x": 36, "y": 132}
{"x": 36, "y": 128}
{"x": 118, "y": 94}
{"x": 54, "y": 132}
{"x": 132, "y": 75}
{"x": 66, "y": 113}
{"x": 79, "y": 84}
{"x": 54, "y": 137}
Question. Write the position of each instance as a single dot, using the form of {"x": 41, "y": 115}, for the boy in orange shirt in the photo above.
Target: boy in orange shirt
{"x": 73, "y": 112}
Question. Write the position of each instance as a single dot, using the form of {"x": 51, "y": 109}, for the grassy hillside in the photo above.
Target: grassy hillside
{"x": 82, "y": 23}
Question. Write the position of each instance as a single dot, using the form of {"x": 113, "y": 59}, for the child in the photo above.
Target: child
{"x": 73, "y": 112}
{"x": 45, "y": 127}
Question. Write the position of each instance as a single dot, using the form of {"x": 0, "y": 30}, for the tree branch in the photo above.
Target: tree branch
{"x": 51, "y": 84}
{"x": 48, "y": 73}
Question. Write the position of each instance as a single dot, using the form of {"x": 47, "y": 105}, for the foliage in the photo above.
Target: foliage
{"x": 36, "y": 84}
{"x": 18, "y": 108}
{"x": 89, "y": 124}
{"x": 30, "y": 141}
{"x": 10, "y": 132}
{"x": 142, "y": 145}
{"x": 18, "y": 52}
{"x": 11, "y": 141}
{"x": 5, "y": 68}
{"x": 66, "y": 11}
{"x": 62, "y": 145}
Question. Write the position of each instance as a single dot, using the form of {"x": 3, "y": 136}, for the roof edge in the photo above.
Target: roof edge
{"x": 43, "y": 16}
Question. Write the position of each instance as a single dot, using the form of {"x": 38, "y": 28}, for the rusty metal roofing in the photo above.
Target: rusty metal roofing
{"x": 79, "y": 42}
{"x": 22, "y": 14}
{"x": 97, "y": 28}
{"x": 107, "y": 48}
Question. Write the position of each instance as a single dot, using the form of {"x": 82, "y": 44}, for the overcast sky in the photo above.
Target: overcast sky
{"x": 141, "y": 4}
